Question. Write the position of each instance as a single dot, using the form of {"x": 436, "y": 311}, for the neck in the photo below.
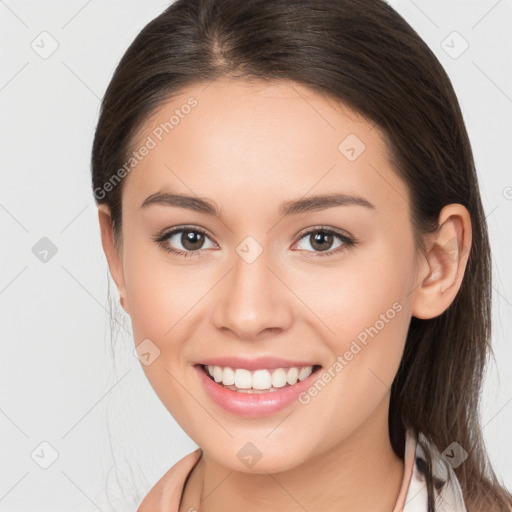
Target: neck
{"x": 360, "y": 473}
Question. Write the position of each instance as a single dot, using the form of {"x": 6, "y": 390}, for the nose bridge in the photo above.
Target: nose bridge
{"x": 252, "y": 299}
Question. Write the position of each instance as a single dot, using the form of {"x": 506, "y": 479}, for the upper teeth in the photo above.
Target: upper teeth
{"x": 258, "y": 379}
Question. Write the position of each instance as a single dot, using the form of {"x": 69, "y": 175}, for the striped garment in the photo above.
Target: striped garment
{"x": 447, "y": 491}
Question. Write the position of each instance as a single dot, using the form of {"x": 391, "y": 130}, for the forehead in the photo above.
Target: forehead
{"x": 276, "y": 139}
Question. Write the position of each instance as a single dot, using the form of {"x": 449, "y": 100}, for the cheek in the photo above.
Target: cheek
{"x": 368, "y": 284}
{"x": 160, "y": 293}
{"x": 363, "y": 309}
{"x": 370, "y": 327}
{"x": 161, "y": 298}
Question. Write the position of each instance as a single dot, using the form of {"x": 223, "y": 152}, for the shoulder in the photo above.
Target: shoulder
{"x": 166, "y": 493}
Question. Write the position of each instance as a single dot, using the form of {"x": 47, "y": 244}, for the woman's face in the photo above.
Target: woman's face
{"x": 269, "y": 279}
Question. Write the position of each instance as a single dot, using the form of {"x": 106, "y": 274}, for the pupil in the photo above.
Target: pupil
{"x": 189, "y": 238}
{"x": 320, "y": 237}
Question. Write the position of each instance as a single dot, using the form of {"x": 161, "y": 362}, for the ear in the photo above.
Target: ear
{"x": 114, "y": 258}
{"x": 440, "y": 274}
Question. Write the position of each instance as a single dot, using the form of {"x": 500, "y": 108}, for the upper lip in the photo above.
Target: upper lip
{"x": 258, "y": 363}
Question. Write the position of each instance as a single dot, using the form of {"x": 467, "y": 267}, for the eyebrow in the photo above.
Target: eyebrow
{"x": 292, "y": 207}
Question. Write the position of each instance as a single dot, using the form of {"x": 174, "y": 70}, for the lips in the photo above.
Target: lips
{"x": 253, "y": 405}
{"x": 260, "y": 363}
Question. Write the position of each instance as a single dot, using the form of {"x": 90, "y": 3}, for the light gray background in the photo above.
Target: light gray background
{"x": 59, "y": 381}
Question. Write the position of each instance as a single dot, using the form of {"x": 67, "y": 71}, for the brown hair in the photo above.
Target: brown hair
{"x": 365, "y": 55}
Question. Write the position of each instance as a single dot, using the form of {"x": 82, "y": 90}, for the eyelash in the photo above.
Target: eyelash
{"x": 348, "y": 242}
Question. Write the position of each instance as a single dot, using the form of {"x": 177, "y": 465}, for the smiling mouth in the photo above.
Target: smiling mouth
{"x": 258, "y": 381}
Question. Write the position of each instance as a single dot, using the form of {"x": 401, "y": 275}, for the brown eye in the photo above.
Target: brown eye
{"x": 192, "y": 240}
{"x": 325, "y": 241}
{"x": 185, "y": 241}
{"x": 321, "y": 241}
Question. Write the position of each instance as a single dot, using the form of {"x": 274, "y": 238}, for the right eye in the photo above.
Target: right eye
{"x": 190, "y": 239}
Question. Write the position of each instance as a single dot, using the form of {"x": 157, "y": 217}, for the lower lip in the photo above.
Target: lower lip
{"x": 253, "y": 405}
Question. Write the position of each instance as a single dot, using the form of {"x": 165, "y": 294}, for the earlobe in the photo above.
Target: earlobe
{"x": 441, "y": 273}
{"x": 112, "y": 253}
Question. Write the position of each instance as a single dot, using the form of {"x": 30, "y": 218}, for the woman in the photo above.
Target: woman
{"x": 290, "y": 210}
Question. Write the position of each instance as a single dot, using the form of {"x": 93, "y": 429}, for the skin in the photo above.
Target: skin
{"x": 248, "y": 147}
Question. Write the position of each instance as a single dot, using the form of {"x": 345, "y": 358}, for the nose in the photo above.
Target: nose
{"x": 251, "y": 301}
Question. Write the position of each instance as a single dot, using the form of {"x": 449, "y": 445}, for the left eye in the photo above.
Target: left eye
{"x": 322, "y": 240}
